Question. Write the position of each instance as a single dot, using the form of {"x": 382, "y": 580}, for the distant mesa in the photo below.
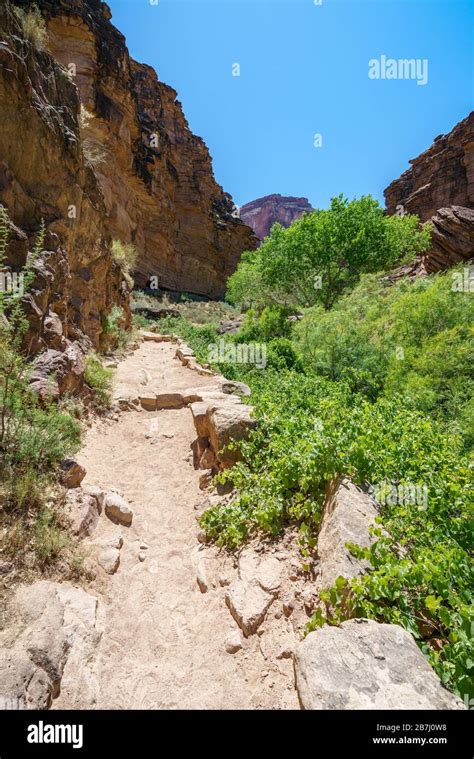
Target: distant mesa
{"x": 261, "y": 214}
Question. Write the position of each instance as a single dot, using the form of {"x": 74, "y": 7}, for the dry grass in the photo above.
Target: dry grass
{"x": 33, "y": 26}
{"x": 94, "y": 152}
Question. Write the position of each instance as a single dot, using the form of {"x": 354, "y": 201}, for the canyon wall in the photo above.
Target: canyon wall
{"x": 45, "y": 178}
{"x": 156, "y": 176}
{"x": 263, "y": 213}
{"x": 439, "y": 187}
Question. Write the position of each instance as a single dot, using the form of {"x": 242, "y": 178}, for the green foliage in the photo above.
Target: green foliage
{"x": 125, "y": 255}
{"x": 381, "y": 391}
{"x": 323, "y": 253}
{"x": 271, "y": 322}
{"x": 113, "y": 334}
{"x": 99, "y": 380}
{"x": 34, "y": 437}
{"x": 50, "y": 537}
{"x": 413, "y": 339}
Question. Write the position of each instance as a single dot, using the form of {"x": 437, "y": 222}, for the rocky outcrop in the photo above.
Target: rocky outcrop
{"x": 366, "y": 665}
{"x": 452, "y": 236}
{"x": 439, "y": 187}
{"x": 44, "y": 176}
{"x": 441, "y": 176}
{"x": 155, "y": 175}
{"x": 347, "y": 517}
{"x": 263, "y": 213}
{"x": 53, "y": 626}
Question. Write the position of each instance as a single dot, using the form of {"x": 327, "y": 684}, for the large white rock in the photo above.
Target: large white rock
{"x": 347, "y": 517}
{"x": 227, "y": 423}
{"x": 117, "y": 509}
{"x": 367, "y": 665}
{"x": 53, "y": 624}
{"x": 248, "y": 603}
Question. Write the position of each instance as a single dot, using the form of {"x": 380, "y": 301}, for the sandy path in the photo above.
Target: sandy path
{"x": 163, "y": 640}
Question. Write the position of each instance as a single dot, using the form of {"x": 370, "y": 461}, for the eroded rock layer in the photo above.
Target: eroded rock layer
{"x": 156, "y": 176}
{"x": 439, "y": 187}
{"x": 263, "y": 213}
{"x": 44, "y": 177}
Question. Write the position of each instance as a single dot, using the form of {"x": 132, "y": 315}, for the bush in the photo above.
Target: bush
{"x": 125, "y": 255}
{"x": 412, "y": 339}
{"x": 99, "y": 380}
{"x": 34, "y": 437}
{"x": 33, "y": 26}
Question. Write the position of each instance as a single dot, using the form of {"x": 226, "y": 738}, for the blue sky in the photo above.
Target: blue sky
{"x": 304, "y": 71}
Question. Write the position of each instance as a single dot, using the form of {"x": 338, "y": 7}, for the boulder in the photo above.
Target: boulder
{"x": 248, "y": 603}
{"x": 72, "y": 473}
{"x": 109, "y": 559}
{"x": 266, "y": 571}
{"x": 155, "y": 338}
{"x": 56, "y": 373}
{"x": 184, "y": 353}
{"x": 84, "y": 511}
{"x": 347, "y": 516}
{"x": 53, "y": 623}
{"x": 228, "y": 423}
{"x": 117, "y": 509}
{"x": 366, "y": 665}
{"x": 235, "y": 388}
{"x": 97, "y": 493}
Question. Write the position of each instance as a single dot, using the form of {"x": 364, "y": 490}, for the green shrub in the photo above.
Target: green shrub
{"x": 34, "y": 436}
{"x": 50, "y": 537}
{"x": 113, "y": 334}
{"x": 412, "y": 339}
{"x": 125, "y": 255}
{"x": 99, "y": 380}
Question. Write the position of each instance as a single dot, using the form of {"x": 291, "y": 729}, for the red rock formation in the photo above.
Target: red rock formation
{"x": 439, "y": 187}
{"x": 262, "y": 214}
{"x": 43, "y": 176}
{"x": 156, "y": 176}
{"x": 441, "y": 176}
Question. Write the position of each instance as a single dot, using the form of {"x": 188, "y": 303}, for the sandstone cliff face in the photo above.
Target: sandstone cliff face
{"x": 156, "y": 176}
{"x": 263, "y": 213}
{"x": 43, "y": 176}
{"x": 439, "y": 186}
{"x": 441, "y": 176}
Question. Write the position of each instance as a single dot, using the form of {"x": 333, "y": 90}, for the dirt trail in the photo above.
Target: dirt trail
{"x": 163, "y": 641}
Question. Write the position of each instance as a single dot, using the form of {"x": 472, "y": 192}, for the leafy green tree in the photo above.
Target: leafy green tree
{"x": 323, "y": 253}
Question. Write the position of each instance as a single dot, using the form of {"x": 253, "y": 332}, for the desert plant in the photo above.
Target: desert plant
{"x": 99, "y": 380}
{"x": 95, "y": 152}
{"x": 33, "y": 26}
{"x": 125, "y": 255}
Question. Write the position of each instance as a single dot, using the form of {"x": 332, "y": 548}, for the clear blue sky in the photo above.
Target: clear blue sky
{"x": 304, "y": 70}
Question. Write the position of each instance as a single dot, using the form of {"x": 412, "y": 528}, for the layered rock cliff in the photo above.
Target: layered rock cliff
{"x": 439, "y": 187}
{"x": 263, "y": 213}
{"x": 44, "y": 177}
{"x": 156, "y": 176}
